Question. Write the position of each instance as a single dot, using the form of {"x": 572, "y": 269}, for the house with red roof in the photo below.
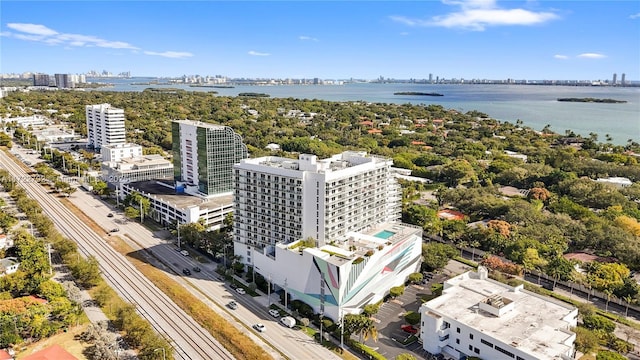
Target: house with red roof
{"x": 53, "y": 352}
{"x": 375, "y": 131}
{"x": 448, "y": 214}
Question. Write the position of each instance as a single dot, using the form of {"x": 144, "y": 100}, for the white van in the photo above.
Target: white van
{"x": 288, "y": 321}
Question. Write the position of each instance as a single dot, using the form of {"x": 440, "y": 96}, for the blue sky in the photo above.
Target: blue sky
{"x": 484, "y": 39}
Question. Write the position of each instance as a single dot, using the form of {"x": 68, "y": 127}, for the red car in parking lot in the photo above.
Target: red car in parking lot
{"x": 409, "y": 328}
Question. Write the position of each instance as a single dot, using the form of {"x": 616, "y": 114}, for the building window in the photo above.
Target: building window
{"x": 486, "y": 343}
{"x": 471, "y": 336}
{"x": 470, "y": 347}
{"x": 508, "y": 353}
{"x": 458, "y": 330}
{"x": 476, "y": 350}
{"x": 458, "y": 341}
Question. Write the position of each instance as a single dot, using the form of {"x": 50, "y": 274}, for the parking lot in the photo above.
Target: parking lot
{"x": 390, "y": 319}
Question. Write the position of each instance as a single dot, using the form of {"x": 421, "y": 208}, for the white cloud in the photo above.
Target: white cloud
{"x": 170, "y": 54}
{"x": 34, "y": 29}
{"x": 561, "y": 57}
{"x": 255, "y": 53}
{"x": 307, "y": 38}
{"x": 477, "y": 15}
{"x": 634, "y": 16}
{"x": 41, "y": 33}
{"x": 592, "y": 56}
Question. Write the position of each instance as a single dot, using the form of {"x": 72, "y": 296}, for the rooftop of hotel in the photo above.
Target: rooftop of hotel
{"x": 312, "y": 163}
{"x": 533, "y": 324}
{"x": 164, "y": 191}
{"x": 358, "y": 244}
{"x": 199, "y": 124}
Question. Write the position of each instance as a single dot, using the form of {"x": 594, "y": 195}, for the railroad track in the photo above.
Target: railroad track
{"x": 189, "y": 340}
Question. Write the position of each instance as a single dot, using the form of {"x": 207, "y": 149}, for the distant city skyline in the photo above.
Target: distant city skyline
{"x": 462, "y": 39}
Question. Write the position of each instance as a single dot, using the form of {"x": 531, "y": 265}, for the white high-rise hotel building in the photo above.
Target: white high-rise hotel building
{"x": 349, "y": 204}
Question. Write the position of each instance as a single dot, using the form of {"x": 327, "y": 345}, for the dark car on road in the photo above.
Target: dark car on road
{"x": 409, "y": 328}
{"x": 186, "y": 271}
{"x": 110, "y": 215}
{"x": 196, "y": 269}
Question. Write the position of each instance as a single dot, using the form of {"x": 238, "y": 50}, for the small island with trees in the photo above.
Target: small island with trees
{"x": 418, "y": 93}
{"x": 593, "y": 100}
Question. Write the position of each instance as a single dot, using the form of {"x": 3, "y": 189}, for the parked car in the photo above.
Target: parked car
{"x": 288, "y": 321}
{"x": 115, "y": 230}
{"x": 240, "y": 291}
{"x": 196, "y": 269}
{"x": 232, "y": 305}
{"x": 186, "y": 271}
{"x": 110, "y": 215}
{"x": 184, "y": 252}
{"x": 409, "y": 328}
{"x": 274, "y": 313}
{"x": 260, "y": 327}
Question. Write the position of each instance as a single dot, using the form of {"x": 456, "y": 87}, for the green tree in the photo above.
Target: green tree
{"x": 437, "y": 255}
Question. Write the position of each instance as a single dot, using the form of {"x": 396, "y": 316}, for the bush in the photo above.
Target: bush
{"x": 597, "y": 322}
{"x": 412, "y": 317}
{"x": 396, "y": 291}
{"x": 609, "y": 355}
{"x": 365, "y": 350}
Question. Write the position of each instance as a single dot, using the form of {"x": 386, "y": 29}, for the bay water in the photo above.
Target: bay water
{"x": 535, "y": 105}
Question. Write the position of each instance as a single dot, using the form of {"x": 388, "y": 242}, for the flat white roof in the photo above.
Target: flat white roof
{"x": 535, "y": 325}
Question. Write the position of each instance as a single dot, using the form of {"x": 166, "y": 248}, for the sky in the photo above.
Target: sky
{"x": 462, "y": 39}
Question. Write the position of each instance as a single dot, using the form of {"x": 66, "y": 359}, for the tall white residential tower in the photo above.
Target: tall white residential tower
{"x": 105, "y": 125}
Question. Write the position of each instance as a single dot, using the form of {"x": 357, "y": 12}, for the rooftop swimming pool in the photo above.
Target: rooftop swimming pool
{"x": 384, "y": 234}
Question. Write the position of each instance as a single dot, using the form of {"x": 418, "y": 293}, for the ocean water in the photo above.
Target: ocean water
{"x": 535, "y": 105}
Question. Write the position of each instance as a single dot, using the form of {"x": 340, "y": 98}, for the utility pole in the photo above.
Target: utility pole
{"x": 285, "y": 294}
{"x": 50, "y": 264}
{"x": 179, "y": 234}
{"x": 269, "y": 291}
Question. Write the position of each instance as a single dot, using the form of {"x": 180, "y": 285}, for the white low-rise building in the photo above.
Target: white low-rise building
{"x": 619, "y": 182}
{"x": 141, "y": 168}
{"x": 170, "y": 206}
{"x": 118, "y": 152}
{"x": 477, "y": 316}
{"x": 8, "y": 266}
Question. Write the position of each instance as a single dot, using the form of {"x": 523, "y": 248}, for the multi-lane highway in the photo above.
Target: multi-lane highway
{"x": 190, "y": 340}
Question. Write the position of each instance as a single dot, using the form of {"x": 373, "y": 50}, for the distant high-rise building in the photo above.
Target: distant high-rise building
{"x": 430, "y": 78}
{"x": 105, "y": 125}
{"x": 40, "y": 80}
{"x": 204, "y": 155}
{"x": 615, "y": 78}
{"x": 623, "y": 81}
{"x": 62, "y": 81}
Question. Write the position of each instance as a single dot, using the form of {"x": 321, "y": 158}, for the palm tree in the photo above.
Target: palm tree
{"x": 367, "y": 330}
{"x": 607, "y": 292}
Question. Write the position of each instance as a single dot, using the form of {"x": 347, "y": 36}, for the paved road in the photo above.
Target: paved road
{"x": 190, "y": 340}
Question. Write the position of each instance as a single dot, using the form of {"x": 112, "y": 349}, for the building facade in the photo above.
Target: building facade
{"x": 477, "y": 316}
{"x": 105, "y": 125}
{"x": 281, "y": 200}
{"x": 204, "y": 155}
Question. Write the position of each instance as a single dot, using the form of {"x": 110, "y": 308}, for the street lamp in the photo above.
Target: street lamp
{"x": 164, "y": 354}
